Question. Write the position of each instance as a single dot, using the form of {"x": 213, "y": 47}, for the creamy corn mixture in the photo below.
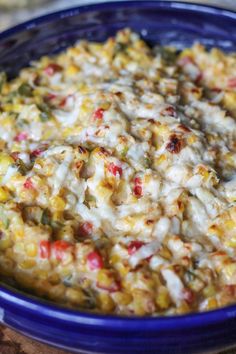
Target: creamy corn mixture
{"x": 118, "y": 178}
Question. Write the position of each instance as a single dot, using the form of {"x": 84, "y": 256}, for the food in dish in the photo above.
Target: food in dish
{"x": 118, "y": 178}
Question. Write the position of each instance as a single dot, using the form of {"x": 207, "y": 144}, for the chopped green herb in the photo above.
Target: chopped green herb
{"x": 10, "y": 97}
{"x": 147, "y": 162}
{"x": 190, "y": 276}
{"x": 44, "y": 107}
{"x": 44, "y": 116}
{"x": 22, "y": 168}
{"x": 3, "y": 79}
{"x": 25, "y": 90}
{"x": 167, "y": 53}
{"x": 124, "y": 152}
{"x": 46, "y": 217}
{"x": 120, "y": 47}
{"x": 67, "y": 281}
{"x": 91, "y": 198}
{"x": 3, "y": 218}
{"x": 22, "y": 122}
{"x": 56, "y": 224}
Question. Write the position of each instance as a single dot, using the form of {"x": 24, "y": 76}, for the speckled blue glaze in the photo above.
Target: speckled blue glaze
{"x": 175, "y": 23}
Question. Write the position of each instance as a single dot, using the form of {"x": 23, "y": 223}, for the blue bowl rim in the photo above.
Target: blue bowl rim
{"x": 178, "y": 5}
{"x": 45, "y": 308}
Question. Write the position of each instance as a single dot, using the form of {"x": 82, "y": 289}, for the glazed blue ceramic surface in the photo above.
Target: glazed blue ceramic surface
{"x": 174, "y": 23}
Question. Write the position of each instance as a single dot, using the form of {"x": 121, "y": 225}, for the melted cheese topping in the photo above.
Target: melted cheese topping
{"x": 118, "y": 178}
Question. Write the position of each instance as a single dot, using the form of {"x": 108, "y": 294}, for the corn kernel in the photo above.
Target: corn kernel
{"x": 165, "y": 253}
{"x": 230, "y": 100}
{"x": 114, "y": 258}
{"x": 209, "y": 290}
{"x": 183, "y": 308}
{"x": 86, "y": 107}
{"x": 54, "y": 279}
{"x": 72, "y": 70}
{"x": 215, "y": 230}
{"x": 18, "y": 234}
{"x": 4, "y": 195}
{"x": 230, "y": 224}
{"x": 229, "y": 157}
{"x": 48, "y": 133}
{"x": 58, "y": 203}
{"x": 71, "y": 131}
{"x": 5, "y": 161}
{"x": 40, "y": 273}
{"x": 105, "y": 302}
{"x": 66, "y": 233}
{"x": 10, "y": 254}
{"x": 24, "y": 279}
{"x": 230, "y": 243}
{"x": 163, "y": 298}
{"x": 7, "y": 267}
{"x": 27, "y": 195}
{"x": 191, "y": 139}
{"x": 212, "y": 304}
{"x": 105, "y": 105}
{"x": 56, "y": 292}
{"x": 75, "y": 296}
{"x": 105, "y": 279}
{"x": 31, "y": 250}
{"x": 5, "y": 243}
{"x": 27, "y": 264}
{"x": 122, "y": 298}
{"x": 139, "y": 303}
{"x": 160, "y": 159}
{"x": 19, "y": 247}
{"x": 229, "y": 270}
{"x": 6, "y": 122}
{"x": 186, "y": 53}
{"x": 122, "y": 269}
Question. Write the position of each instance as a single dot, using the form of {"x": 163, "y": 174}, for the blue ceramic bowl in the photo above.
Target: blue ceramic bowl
{"x": 158, "y": 22}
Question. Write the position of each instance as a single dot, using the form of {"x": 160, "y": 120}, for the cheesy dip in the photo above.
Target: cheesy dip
{"x": 118, "y": 178}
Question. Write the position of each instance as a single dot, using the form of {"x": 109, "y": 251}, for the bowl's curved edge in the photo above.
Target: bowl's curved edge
{"x": 16, "y": 299}
{"x": 24, "y": 299}
{"x": 68, "y": 12}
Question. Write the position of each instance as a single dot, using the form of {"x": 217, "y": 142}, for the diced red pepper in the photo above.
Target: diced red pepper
{"x": 50, "y": 97}
{"x": 175, "y": 144}
{"x": 232, "y": 82}
{"x": 59, "y": 248}
{"x": 115, "y": 286}
{"x": 63, "y": 102}
{"x": 21, "y": 136}
{"x": 45, "y": 249}
{"x": 138, "y": 190}
{"x": 188, "y": 295}
{"x": 134, "y": 246}
{"x": 36, "y": 80}
{"x": 114, "y": 169}
{"x": 52, "y": 68}
{"x": 216, "y": 89}
{"x": 94, "y": 260}
{"x": 36, "y": 153}
{"x": 98, "y": 114}
{"x": 85, "y": 229}
{"x": 230, "y": 290}
{"x": 169, "y": 111}
{"x": 199, "y": 77}
{"x": 28, "y": 184}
